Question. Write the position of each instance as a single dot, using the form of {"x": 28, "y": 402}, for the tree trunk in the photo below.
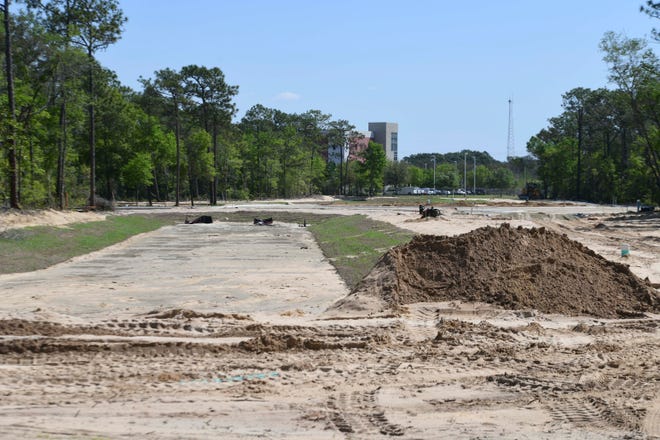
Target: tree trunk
{"x": 177, "y": 129}
{"x": 225, "y": 180}
{"x": 284, "y": 177}
{"x": 311, "y": 171}
{"x": 156, "y": 192}
{"x": 11, "y": 141}
{"x": 61, "y": 159}
{"x": 652, "y": 159}
{"x": 346, "y": 177}
{"x": 92, "y": 134}
{"x": 579, "y": 155}
{"x": 191, "y": 182}
{"x": 341, "y": 171}
{"x": 214, "y": 185}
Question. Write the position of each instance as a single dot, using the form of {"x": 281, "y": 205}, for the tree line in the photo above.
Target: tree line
{"x": 605, "y": 145}
{"x": 467, "y": 169}
{"x": 72, "y": 135}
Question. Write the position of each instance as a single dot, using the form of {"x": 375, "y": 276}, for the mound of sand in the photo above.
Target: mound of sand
{"x": 513, "y": 268}
{"x": 14, "y": 218}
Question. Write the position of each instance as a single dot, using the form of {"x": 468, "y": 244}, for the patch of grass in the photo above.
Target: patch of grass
{"x": 354, "y": 243}
{"x": 28, "y": 249}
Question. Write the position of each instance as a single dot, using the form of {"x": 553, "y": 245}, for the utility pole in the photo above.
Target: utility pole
{"x": 465, "y": 174}
{"x": 433, "y": 173}
{"x": 510, "y": 144}
{"x": 474, "y": 176}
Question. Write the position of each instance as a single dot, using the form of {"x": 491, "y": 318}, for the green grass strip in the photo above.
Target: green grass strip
{"x": 354, "y": 243}
{"x": 33, "y": 248}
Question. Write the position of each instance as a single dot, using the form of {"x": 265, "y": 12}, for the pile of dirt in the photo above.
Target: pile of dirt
{"x": 513, "y": 268}
{"x": 17, "y": 218}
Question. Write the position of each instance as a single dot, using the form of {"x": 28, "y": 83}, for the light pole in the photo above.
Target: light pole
{"x": 474, "y": 182}
{"x": 434, "y": 174}
{"x": 465, "y": 174}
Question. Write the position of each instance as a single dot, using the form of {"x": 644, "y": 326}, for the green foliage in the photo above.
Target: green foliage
{"x": 652, "y": 9}
{"x": 416, "y": 177}
{"x": 200, "y": 158}
{"x": 291, "y": 156}
{"x": 138, "y": 171}
{"x": 282, "y": 153}
{"x": 396, "y": 174}
{"x": 422, "y": 159}
{"x": 239, "y": 194}
{"x": 447, "y": 176}
{"x": 210, "y": 97}
{"x": 604, "y": 146}
{"x": 557, "y": 165}
{"x": 373, "y": 167}
{"x": 449, "y": 170}
{"x": 501, "y": 178}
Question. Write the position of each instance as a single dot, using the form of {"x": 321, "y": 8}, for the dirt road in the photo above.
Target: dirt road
{"x": 236, "y": 268}
{"x": 218, "y": 331}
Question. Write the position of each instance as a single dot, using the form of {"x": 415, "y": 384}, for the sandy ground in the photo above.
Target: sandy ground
{"x": 219, "y": 331}
{"x": 19, "y": 219}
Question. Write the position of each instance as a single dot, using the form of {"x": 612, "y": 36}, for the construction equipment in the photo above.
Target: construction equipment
{"x": 531, "y": 191}
{"x": 429, "y": 212}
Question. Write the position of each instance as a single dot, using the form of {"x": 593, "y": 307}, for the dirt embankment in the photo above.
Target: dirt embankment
{"x": 513, "y": 268}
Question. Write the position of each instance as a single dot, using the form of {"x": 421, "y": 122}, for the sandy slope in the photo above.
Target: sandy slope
{"x": 18, "y": 219}
{"x": 244, "y": 349}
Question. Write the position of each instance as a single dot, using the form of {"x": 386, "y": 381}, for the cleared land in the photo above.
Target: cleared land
{"x": 228, "y": 331}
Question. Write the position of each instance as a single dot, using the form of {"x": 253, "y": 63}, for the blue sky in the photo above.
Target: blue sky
{"x": 442, "y": 70}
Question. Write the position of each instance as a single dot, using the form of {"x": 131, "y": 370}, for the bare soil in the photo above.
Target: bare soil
{"x": 515, "y": 268}
{"x": 11, "y": 218}
{"x": 226, "y": 331}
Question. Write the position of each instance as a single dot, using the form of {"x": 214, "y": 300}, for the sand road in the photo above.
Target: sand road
{"x": 235, "y": 268}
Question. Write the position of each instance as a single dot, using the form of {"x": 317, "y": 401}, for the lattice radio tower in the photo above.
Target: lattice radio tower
{"x": 510, "y": 144}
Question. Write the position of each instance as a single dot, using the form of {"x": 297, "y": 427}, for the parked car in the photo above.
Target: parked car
{"x": 409, "y": 190}
{"x": 460, "y": 192}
